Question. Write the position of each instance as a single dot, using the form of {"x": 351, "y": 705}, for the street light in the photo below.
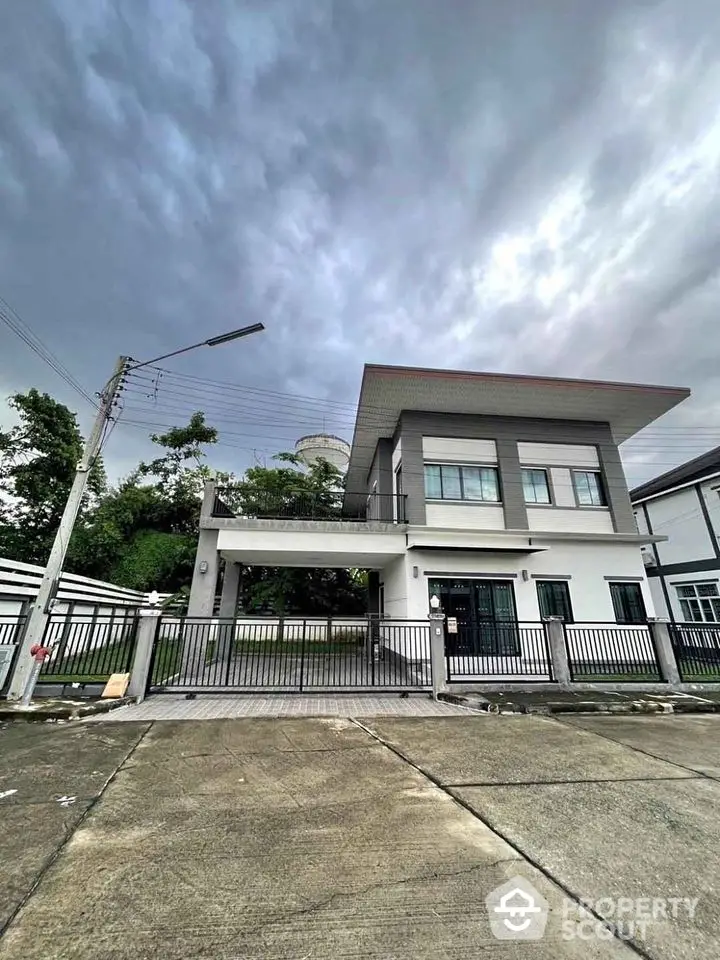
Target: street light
{"x": 212, "y": 342}
{"x": 24, "y": 678}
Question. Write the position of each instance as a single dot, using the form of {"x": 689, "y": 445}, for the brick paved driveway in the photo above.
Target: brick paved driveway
{"x": 205, "y": 707}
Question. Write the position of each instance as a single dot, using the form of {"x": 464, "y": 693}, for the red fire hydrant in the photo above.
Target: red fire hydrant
{"x": 39, "y": 653}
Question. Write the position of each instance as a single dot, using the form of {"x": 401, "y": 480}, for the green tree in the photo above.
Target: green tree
{"x": 143, "y": 534}
{"x": 292, "y": 490}
{"x": 38, "y": 458}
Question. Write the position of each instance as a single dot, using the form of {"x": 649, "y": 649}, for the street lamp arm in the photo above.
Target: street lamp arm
{"x": 211, "y": 342}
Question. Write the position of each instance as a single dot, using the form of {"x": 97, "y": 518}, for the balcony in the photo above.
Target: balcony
{"x": 242, "y": 503}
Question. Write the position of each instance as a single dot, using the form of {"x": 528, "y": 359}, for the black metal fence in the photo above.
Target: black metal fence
{"x": 88, "y": 649}
{"x": 290, "y": 655}
{"x": 611, "y": 653}
{"x": 12, "y": 629}
{"x": 697, "y": 651}
{"x": 241, "y": 501}
{"x": 496, "y": 651}
{"x": 11, "y": 634}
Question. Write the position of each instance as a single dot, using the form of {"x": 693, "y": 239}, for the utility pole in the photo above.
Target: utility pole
{"x": 26, "y": 673}
{"x": 24, "y": 677}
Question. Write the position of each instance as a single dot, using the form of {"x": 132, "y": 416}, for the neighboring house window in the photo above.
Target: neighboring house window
{"x": 444, "y": 481}
{"x": 699, "y": 602}
{"x": 535, "y": 486}
{"x": 588, "y": 488}
{"x": 554, "y": 599}
{"x": 628, "y": 603}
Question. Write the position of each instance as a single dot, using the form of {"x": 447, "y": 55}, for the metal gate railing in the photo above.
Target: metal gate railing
{"x": 89, "y": 648}
{"x": 290, "y": 655}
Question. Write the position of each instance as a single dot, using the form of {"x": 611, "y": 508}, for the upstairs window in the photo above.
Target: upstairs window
{"x": 445, "y": 481}
{"x": 535, "y": 486}
{"x": 588, "y": 488}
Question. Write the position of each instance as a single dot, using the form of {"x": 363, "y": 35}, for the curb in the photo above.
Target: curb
{"x": 60, "y": 711}
{"x": 590, "y": 706}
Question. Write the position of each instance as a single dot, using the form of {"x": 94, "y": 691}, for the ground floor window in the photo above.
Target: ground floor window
{"x": 554, "y": 599}
{"x": 628, "y": 603}
{"x": 699, "y": 602}
{"x": 484, "y": 613}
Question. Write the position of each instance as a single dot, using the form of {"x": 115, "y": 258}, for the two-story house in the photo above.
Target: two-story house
{"x": 502, "y": 495}
{"x": 683, "y": 570}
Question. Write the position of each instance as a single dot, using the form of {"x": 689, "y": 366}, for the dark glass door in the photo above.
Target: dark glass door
{"x": 485, "y": 614}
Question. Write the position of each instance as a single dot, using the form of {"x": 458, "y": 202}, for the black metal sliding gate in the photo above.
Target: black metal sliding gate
{"x": 289, "y": 655}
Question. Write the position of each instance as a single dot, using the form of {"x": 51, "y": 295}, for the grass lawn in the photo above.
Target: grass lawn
{"x": 96, "y": 666}
{"x": 617, "y": 678}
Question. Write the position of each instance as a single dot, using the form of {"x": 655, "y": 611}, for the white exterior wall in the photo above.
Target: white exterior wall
{"x": 678, "y": 516}
{"x": 562, "y": 487}
{"x": 711, "y": 494}
{"x": 394, "y": 578}
{"x": 586, "y": 563}
{"x": 558, "y": 454}
{"x": 596, "y": 520}
{"x": 658, "y": 598}
{"x": 328, "y": 545}
{"x": 456, "y": 515}
{"x": 459, "y": 450}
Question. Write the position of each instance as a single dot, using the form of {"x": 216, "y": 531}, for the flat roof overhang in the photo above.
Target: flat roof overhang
{"x": 387, "y": 391}
{"x": 279, "y": 545}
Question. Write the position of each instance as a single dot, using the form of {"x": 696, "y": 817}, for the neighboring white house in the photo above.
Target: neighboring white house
{"x": 683, "y": 505}
{"x": 504, "y": 495}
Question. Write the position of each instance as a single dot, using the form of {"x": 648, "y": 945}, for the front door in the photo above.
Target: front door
{"x": 485, "y": 614}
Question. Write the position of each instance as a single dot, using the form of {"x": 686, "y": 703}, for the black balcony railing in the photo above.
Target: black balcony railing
{"x": 239, "y": 501}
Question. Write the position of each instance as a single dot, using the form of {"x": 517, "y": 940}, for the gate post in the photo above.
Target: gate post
{"x": 557, "y": 650}
{"x": 437, "y": 654}
{"x": 660, "y": 636}
{"x": 147, "y": 631}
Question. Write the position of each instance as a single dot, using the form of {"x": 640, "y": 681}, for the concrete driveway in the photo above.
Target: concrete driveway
{"x": 376, "y": 838}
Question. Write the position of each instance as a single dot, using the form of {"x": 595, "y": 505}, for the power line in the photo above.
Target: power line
{"x": 12, "y": 319}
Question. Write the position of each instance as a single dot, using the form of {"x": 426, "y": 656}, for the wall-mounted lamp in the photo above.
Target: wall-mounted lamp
{"x": 525, "y": 576}
{"x": 203, "y": 568}
{"x": 416, "y": 572}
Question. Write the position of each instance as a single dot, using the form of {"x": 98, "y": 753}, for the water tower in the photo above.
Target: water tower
{"x": 326, "y": 447}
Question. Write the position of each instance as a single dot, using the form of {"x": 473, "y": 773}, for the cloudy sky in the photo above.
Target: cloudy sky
{"x": 521, "y": 186}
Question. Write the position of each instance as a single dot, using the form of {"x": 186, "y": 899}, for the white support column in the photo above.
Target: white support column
{"x": 228, "y": 609}
{"x": 437, "y": 653}
{"x": 660, "y": 634}
{"x": 146, "y": 636}
{"x": 558, "y": 650}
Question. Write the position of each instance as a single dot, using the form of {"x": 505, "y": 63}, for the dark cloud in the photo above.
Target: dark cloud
{"x": 519, "y": 186}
